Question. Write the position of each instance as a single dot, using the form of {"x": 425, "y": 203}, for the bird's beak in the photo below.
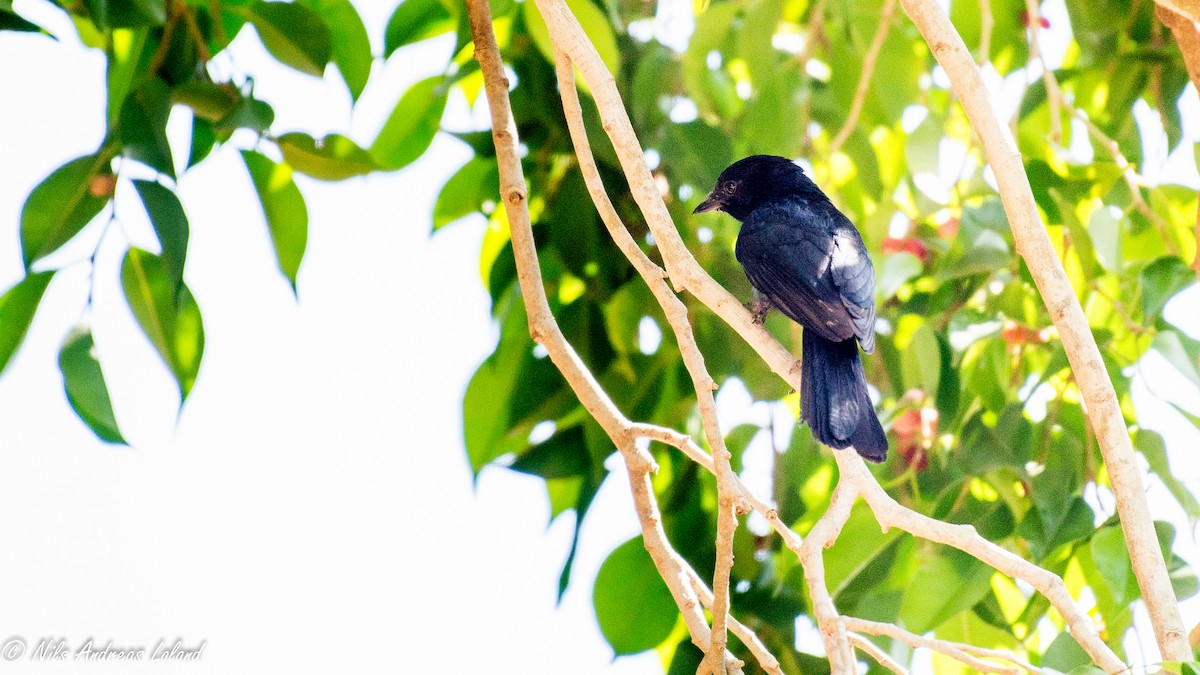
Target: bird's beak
{"x": 710, "y": 204}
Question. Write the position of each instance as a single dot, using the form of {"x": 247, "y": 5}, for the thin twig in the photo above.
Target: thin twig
{"x": 765, "y": 658}
{"x": 987, "y": 23}
{"x": 889, "y": 513}
{"x": 955, "y": 650}
{"x": 871, "y": 649}
{"x": 1129, "y": 172}
{"x": 823, "y": 535}
{"x": 1053, "y": 93}
{"x": 864, "y": 80}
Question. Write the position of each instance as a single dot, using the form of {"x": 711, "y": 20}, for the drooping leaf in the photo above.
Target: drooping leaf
{"x": 633, "y": 606}
{"x": 332, "y": 158}
{"x": 292, "y": 33}
{"x": 17, "y": 307}
{"x": 284, "y": 209}
{"x": 62, "y": 204}
{"x": 127, "y": 61}
{"x": 409, "y": 130}
{"x": 351, "y": 45}
{"x": 143, "y": 127}
{"x": 86, "y": 390}
{"x": 170, "y": 224}
{"x": 1152, "y": 447}
{"x": 167, "y": 314}
{"x": 10, "y": 20}
{"x": 466, "y": 191}
{"x": 210, "y": 101}
{"x": 416, "y": 20}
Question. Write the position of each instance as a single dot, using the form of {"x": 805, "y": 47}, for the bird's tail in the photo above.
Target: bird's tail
{"x": 834, "y": 401}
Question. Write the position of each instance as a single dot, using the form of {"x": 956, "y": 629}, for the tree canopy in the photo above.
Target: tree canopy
{"x": 984, "y": 413}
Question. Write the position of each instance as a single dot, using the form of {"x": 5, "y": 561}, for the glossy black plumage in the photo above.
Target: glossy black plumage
{"x": 808, "y": 260}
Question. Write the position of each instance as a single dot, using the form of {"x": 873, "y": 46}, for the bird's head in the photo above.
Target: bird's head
{"x": 748, "y": 183}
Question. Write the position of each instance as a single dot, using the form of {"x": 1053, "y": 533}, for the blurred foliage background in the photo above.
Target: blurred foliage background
{"x": 984, "y": 417}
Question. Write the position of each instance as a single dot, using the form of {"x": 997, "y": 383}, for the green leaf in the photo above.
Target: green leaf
{"x": 167, "y": 314}
{"x": 416, "y": 20}
{"x": 595, "y": 24}
{"x": 1064, "y": 654}
{"x": 61, "y": 205}
{"x": 10, "y": 20}
{"x": 203, "y": 140}
{"x": 960, "y": 581}
{"x": 634, "y": 608}
{"x": 332, "y": 158}
{"x": 210, "y": 101}
{"x": 126, "y": 64}
{"x": 294, "y": 34}
{"x": 170, "y": 224}
{"x": 1160, "y": 281}
{"x": 84, "y": 383}
{"x": 351, "y": 45}
{"x": 1105, "y": 231}
{"x": 1151, "y": 445}
{"x": 249, "y": 113}
{"x": 922, "y": 365}
{"x": 284, "y": 209}
{"x": 410, "y": 129}
{"x": 1180, "y": 354}
{"x": 696, "y": 153}
{"x": 143, "y": 126}
{"x": 466, "y": 191}
{"x": 17, "y": 307}
{"x": 1112, "y": 562}
{"x": 898, "y": 268}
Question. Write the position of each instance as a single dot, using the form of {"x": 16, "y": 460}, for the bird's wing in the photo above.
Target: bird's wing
{"x": 809, "y": 261}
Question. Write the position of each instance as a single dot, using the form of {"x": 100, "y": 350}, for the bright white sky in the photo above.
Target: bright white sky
{"x": 312, "y": 509}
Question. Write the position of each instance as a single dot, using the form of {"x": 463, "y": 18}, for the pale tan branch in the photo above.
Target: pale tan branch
{"x": 889, "y": 513}
{"x": 545, "y": 331}
{"x": 955, "y": 650}
{"x": 871, "y": 649}
{"x": 1187, "y": 37}
{"x": 1034, "y": 246}
{"x": 764, "y": 657}
{"x": 1188, "y": 9}
{"x": 823, "y": 535}
{"x": 694, "y": 452}
{"x": 864, "y": 80}
{"x": 729, "y": 492}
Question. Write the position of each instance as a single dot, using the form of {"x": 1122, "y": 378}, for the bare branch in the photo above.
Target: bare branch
{"x": 889, "y": 513}
{"x": 1190, "y": 9}
{"x": 545, "y": 331}
{"x": 823, "y": 534}
{"x": 871, "y": 649}
{"x": 765, "y": 658}
{"x": 955, "y": 650}
{"x": 864, "y": 80}
{"x": 1084, "y": 356}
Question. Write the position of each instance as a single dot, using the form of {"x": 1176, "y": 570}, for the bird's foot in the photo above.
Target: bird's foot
{"x": 758, "y": 310}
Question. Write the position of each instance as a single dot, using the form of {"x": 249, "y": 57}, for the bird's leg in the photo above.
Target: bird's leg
{"x": 759, "y": 307}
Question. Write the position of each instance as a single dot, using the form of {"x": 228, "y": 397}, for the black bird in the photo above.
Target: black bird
{"x": 806, "y": 259}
